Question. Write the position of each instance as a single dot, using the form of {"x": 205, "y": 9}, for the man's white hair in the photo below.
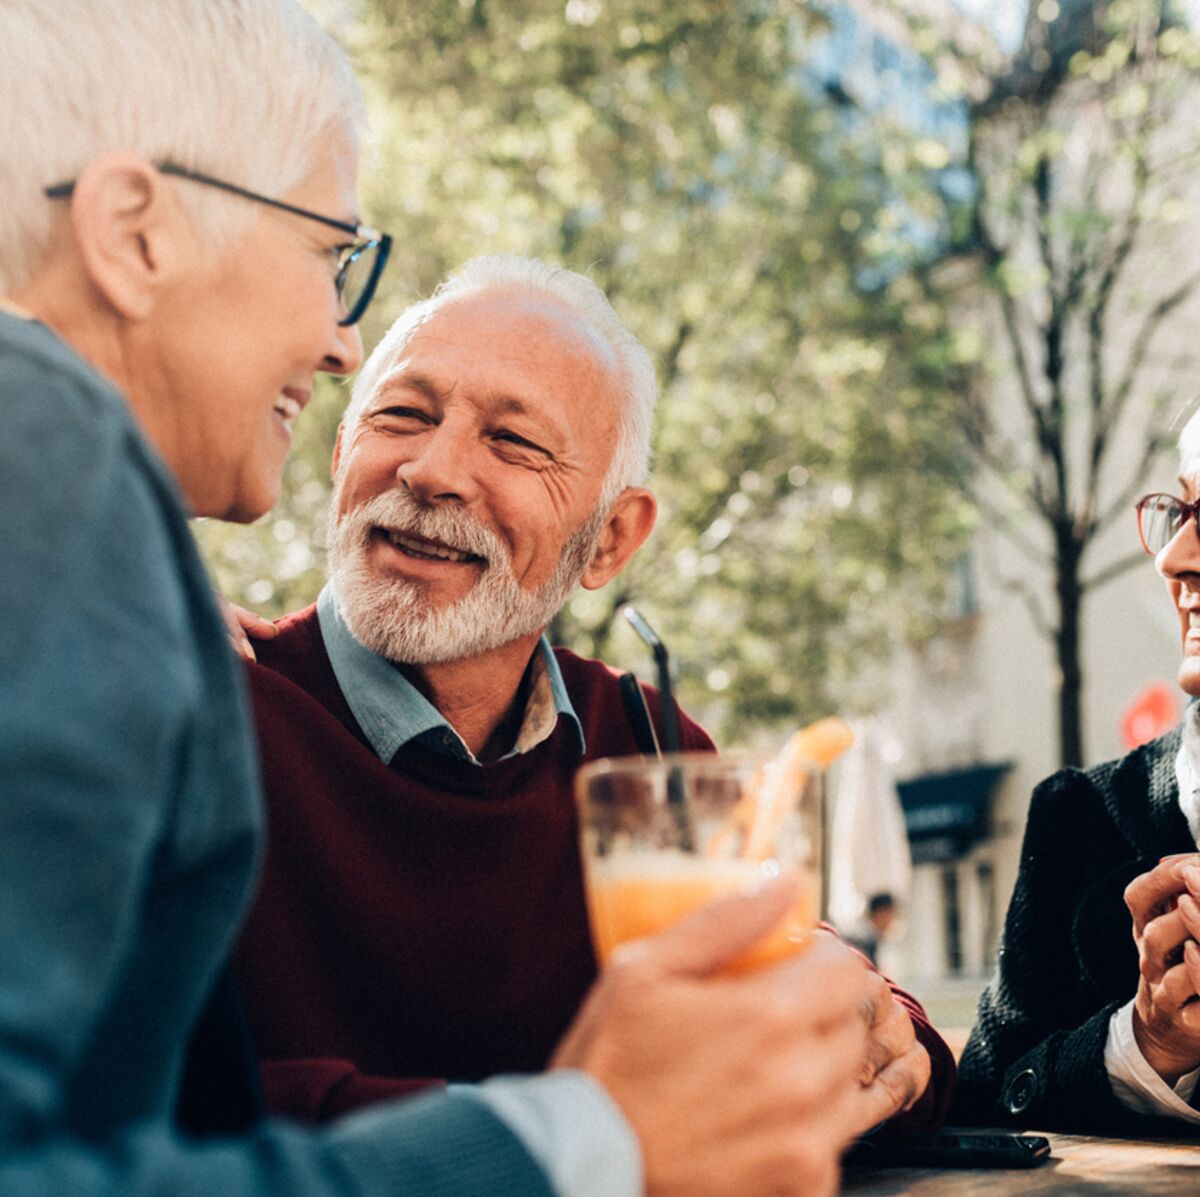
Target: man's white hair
{"x": 239, "y": 89}
{"x": 583, "y": 299}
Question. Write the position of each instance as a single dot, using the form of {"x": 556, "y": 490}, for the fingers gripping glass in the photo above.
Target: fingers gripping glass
{"x": 1160, "y": 517}
{"x": 359, "y": 265}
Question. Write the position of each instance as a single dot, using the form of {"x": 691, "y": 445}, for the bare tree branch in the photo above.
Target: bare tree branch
{"x": 1001, "y": 520}
{"x": 1097, "y": 319}
{"x": 1140, "y": 346}
{"x": 1102, "y": 423}
{"x": 1046, "y": 414}
{"x": 1016, "y": 346}
{"x": 995, "y": 257}
{"x": 1114, "y": 570}
{"x": 1155, "y": 444}
{"x": 1053, "y": 331}
{"x": 1042, "y": 181}
{"x": 1115, "y": 408}
{"x": 1109, "y": 408}
{"x": 1078, "y": 268}
{"x": 1021, "y": 589}
{"x": 1001, "y": 462}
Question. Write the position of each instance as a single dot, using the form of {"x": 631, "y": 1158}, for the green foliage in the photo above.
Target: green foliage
{"x": 807, "y": 462}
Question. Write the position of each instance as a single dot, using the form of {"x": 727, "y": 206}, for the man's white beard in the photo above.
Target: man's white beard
{"x": 389, "y": 614}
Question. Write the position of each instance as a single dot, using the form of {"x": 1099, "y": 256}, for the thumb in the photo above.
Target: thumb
{"x": 713, "y": 937}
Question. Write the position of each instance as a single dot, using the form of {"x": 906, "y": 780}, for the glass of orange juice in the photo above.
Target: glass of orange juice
{"x": 661, "y": 836}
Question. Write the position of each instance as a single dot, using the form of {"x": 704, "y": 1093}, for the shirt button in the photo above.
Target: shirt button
{"x": 1021, "y": 1091}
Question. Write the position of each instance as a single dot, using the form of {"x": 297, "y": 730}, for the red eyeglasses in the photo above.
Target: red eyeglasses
{"x": 1160, "y": 517}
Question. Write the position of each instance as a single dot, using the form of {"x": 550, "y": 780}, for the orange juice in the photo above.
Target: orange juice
{"x": 637, "y": 894}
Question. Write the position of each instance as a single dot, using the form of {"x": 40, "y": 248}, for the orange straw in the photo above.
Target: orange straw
{"x": 786, "y": 775}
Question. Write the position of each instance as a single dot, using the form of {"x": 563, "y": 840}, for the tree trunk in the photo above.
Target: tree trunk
{"x": 1067, "y": 646}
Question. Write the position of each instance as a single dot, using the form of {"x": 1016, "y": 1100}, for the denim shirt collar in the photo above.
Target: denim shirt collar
{"x": 391, "y": 711}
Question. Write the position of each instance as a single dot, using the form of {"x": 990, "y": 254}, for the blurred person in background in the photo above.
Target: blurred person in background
{"x": 422, "y": 908}
{"x": 880, "y": 918}
{"x": 1092, "y": 1022}
{"x": 180, "y": 254}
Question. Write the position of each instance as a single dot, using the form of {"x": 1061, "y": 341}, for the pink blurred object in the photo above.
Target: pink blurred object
{"x": 1154, "y": 711}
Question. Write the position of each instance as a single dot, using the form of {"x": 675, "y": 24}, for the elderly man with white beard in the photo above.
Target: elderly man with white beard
{"x": 422, "y": 910}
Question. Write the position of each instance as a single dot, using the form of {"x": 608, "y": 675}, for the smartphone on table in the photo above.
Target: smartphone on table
{"x": 950, "y": 1148}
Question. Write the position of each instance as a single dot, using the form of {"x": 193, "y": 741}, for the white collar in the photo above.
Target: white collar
{"x": 1187, "y": 770}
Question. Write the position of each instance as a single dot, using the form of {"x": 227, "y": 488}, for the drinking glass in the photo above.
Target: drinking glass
{"x": 661, "y": 836}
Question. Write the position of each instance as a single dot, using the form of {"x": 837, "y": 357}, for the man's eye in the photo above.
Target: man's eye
{"x": 404, "y": 413}
{"x": 515, "y": 438}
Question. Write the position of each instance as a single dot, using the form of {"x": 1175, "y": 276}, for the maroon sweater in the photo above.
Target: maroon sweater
{"x": 424, "y": 918}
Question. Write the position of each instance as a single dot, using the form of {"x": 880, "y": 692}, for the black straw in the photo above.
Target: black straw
{"x": 638, "y": 715}
{"x": 671, "y": 739}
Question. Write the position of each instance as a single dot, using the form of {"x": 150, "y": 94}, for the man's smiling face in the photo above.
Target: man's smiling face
{"x": 480, "y": 460}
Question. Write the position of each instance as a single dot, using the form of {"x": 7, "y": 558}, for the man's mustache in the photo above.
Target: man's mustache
{"x": 400, "y": 511}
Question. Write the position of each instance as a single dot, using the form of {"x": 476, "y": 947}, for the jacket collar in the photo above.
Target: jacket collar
{"x": 1143, "y": 798}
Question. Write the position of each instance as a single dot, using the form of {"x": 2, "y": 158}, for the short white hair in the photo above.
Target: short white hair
{"x": 583, "y": 299}
{"x": 243, "y": 90}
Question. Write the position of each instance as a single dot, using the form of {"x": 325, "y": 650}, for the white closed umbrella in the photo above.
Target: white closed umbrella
{"x": 868, "y": 843}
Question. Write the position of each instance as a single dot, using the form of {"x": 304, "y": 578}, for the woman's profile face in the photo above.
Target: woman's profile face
{"x": 1179, "y": 564}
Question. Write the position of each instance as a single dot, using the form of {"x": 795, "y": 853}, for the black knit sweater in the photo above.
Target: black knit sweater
{"x": 1067, "y": 958}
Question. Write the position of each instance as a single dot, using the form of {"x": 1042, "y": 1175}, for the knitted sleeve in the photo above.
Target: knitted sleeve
{"x": 1036, "y": 1055}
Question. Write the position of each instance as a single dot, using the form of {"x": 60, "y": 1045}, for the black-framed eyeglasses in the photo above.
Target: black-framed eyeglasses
{"x": 359, "y": 265}
{"x": 1160, "y": 517}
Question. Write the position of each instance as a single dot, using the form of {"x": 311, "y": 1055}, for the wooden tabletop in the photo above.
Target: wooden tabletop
{"x": 1077, "y": 1165}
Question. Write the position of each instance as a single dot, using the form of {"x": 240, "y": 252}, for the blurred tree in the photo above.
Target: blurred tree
{"x": 765, "y": 230}
{"x": 1083, "y": 157}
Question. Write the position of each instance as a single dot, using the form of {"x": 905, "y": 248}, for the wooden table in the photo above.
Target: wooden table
{"x": 1078, "y": 1165}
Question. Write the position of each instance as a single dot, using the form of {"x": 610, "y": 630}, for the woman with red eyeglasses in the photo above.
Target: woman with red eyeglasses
{"x": 1092, "y": 1022}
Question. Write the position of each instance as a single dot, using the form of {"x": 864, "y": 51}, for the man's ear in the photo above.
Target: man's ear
{"x": 129, "y": 228}
{"x": 629, "y": 522}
